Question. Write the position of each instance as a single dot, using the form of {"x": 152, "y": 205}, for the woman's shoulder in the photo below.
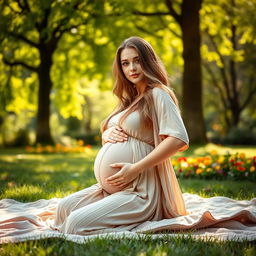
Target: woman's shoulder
{"x": 160, "y": 93}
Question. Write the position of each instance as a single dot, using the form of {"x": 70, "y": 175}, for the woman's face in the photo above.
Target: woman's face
{"x": 131, "y": 67}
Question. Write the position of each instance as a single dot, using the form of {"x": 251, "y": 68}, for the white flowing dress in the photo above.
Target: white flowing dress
{"x": 152, "y": 202}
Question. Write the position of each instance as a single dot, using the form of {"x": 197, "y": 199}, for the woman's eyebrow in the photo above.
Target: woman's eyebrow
{"x": 136, "y": 57}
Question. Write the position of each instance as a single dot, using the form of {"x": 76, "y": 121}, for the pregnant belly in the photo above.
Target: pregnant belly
{"x": 109, "y": 154}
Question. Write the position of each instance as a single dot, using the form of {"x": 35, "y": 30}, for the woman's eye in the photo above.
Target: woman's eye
{"x": 125, "y": 63}
{"x": 137, "y": 61}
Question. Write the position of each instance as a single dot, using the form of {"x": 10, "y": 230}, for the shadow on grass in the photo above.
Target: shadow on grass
{"x": 40, "y": 176}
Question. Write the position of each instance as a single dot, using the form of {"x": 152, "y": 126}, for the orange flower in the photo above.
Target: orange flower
{"x": 207, "y": 160}
{"x": 200, "y": 159}
{"x": 252, "y": 169}
{"x": 199, "y": 170}
{"x": 29, "y": 149}
{"x": 58, "y": 147}
{"x": 80, "y": 142}
{"x": 39, "y": 149}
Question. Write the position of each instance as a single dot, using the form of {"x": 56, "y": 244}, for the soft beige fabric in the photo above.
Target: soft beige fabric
{"x": 219, "y": 218}
{"x": 153, "y": 202}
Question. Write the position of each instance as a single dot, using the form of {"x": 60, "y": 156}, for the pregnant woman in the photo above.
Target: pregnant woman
{"x": 136, "y": 182}
{"x": 136, "y": 187}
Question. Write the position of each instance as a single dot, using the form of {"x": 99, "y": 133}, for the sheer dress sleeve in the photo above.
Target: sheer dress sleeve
{"x": 168, "y": 116}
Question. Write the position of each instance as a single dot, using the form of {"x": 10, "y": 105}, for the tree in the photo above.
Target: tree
{"x": 38, "y": 27}
{"x": 229, "y": 53}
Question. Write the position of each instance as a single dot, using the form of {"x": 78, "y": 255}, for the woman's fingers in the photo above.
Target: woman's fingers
{"x": 116, "y": 134}
{"x": 119, "y": 135}
{"x": 116, "y": 183}
{"x": 118, "y": 128}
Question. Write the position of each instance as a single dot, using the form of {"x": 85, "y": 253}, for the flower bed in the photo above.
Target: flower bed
{"x": 236, "y": 166}
{"x": 78, "y": 147}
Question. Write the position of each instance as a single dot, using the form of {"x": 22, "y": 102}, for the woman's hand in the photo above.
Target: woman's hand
{"x": 127, "y": 174}
{"x": 114, "y": 134}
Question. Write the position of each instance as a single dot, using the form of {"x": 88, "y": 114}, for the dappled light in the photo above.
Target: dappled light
{"x": 67, "y": 66}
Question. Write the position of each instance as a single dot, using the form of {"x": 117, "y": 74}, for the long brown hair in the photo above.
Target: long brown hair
{"x": 155, "y": 76}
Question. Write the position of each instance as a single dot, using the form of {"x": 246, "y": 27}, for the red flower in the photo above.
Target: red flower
{"x": 238, "y": 163}
{"x": 241, "y": 168}
{"x": 182, "y": 159}
{"x": 180, "y": 170}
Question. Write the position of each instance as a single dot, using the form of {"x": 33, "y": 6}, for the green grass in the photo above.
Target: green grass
{"x": 28, "y": 177}
{"x": 134, "y": 247}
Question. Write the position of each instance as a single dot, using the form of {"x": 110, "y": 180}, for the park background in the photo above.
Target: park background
{"x": 56, "y": 58}
{"x": 56, "y": 88}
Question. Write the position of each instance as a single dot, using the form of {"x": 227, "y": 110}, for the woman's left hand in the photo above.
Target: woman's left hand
{"x": 127, "y": 174}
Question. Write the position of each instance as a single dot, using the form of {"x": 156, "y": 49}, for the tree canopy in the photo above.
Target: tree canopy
{"x": 56, "y": 57}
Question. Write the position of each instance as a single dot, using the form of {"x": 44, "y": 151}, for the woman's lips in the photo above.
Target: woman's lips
{"x": 134, "y": 75}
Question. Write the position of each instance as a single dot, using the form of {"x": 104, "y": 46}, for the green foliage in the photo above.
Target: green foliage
{"x": 89, "y": 33}
{"x": 228, "y": 51}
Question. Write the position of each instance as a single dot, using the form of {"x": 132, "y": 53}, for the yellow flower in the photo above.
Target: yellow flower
{"x": 213, "y": 152}
{"x": 252, "y": 169}
{"x": 49, "y": 148}
{"x": 221, "y": 159}
{"x": 242, "y": 155}
{"x": 191, "y": 160}
{"x": 199, "y": 170}
{"x": 208, "y": 169}
{"x": 217, "y": 167}
{"x": 201, "y": 165}
{"x": 174, "y": 162}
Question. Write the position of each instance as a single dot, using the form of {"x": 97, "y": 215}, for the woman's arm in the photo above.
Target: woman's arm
{"x": 163, "y": 151}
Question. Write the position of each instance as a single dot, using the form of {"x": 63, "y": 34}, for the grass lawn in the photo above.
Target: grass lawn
{"x": 28, "y": 177}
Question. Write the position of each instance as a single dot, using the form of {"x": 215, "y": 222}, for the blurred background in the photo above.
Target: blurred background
{"x": 56, "y": 58}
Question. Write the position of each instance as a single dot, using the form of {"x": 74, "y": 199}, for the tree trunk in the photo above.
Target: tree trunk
{"x": 235, "y": 108}
{"x": 192, "y": 75}
{"x": 88, "y": 115}
{"x": 43, "y": 134}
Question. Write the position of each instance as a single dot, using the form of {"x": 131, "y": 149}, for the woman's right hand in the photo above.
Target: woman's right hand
{"x": 114, "y": 134}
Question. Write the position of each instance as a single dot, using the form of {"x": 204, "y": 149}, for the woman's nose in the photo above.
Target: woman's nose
{"x": 132, "y": 66}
